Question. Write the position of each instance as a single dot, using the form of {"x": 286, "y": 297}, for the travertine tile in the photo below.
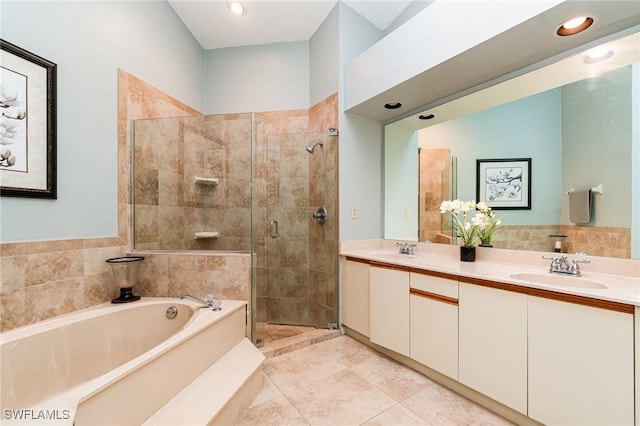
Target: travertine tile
{"x": 341, "y": 398}
{"x": 396, "y": 380}
{"x": 99, "y": 288}
{"x": 440, "y": 406}
{"x": 12, "y": 273}
{"x": 346, "y": 351}
{"x": 47, "y": 267}
{"x": 269, "y": 391}
{"x": 396, "y": 416}
{"x": 95, "y": 259}
{"x": 296, "y": 369}
{"x": 277, "y": 411}
{"x": 12, "y": 305}
{"x": 53, "y": 298}
{"x": 357, "y": 392}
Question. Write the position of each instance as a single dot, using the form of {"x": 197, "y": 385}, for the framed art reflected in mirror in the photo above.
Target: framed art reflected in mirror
{"x": 504, "y": 184}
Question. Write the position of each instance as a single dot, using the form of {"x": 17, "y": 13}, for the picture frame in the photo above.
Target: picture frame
{"x": 504, "y": 184}
{"x": 28, "y": 159}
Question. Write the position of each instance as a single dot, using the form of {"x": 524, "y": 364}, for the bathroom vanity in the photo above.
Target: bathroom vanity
{"x": 544, "y": 347}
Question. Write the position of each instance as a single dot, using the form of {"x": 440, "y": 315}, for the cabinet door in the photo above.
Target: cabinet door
{"x": 355, "y": 314}
{"x": 434, "y": 334}
{"x": 493, "y": 343}
{"x": 390, "y": 309}
{"x": 580, "y": 364}
{"x": 434, "y": 322}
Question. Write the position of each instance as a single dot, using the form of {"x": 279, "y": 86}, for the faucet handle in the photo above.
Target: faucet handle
{"x": 575, "y": 265}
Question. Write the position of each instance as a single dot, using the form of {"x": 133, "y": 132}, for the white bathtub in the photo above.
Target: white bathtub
{"x": 111, "y": 364}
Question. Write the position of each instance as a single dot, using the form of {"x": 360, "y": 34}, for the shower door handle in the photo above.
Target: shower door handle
{"x": 273, "y": 229}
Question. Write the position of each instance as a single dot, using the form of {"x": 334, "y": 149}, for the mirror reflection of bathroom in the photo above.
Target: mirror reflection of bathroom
{"x": 437, "y": 182}
{"x": 539, "y": 115}
{"x": 237, "y": 183}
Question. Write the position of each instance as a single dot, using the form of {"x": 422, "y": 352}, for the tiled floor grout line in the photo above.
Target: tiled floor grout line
{"x": 349, "y": 368}
{"x": 342, "y": 382}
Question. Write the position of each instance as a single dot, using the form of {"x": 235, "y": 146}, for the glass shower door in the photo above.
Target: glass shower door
{"x": 296, "y": 255}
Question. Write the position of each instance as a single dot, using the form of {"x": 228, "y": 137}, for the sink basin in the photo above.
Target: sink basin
{"x": 558, "y": 280}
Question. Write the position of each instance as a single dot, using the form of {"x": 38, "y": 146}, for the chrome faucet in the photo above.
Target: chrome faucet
{"x": 560, "y": 265}
{"x": 406, "y": 248}
{"x": 207, "y": 303}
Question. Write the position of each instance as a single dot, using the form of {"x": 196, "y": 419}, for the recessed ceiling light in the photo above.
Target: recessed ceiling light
{"x": 574, "y": 26}
{"x": 426, "y": 116}
{"x": 237, "y": 8}
{"x": 598, "y": 54}
{"x": 392, "y": 105}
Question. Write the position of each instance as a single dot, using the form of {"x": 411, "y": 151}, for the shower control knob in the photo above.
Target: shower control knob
{"x": 320, "y": 215}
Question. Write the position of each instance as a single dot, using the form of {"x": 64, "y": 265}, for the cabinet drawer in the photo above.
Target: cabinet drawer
{"x": 436, "y": 285}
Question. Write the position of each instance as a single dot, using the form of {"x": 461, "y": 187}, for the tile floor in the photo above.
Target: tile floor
{"x": 343, "y": 382}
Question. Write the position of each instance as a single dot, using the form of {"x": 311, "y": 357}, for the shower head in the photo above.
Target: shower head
{"x": 310, "y": 148}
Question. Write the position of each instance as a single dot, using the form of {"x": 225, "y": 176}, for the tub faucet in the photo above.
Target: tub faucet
{"x": 207, "y": 303}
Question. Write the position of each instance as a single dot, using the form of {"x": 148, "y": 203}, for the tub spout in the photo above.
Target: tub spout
{"x": 208, "y": 303}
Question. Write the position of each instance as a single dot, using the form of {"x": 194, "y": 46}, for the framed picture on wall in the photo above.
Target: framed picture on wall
{"x": 27, "y": 124}
{"x": 504, "y": 184}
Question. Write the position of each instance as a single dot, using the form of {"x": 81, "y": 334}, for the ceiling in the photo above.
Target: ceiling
{"x": 269, "y": 21}
{"x": 520, "y": 49}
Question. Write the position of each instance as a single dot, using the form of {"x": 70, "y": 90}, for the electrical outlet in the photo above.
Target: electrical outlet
{"x": 354, "y": 212}
{"x": 406, "y": 214}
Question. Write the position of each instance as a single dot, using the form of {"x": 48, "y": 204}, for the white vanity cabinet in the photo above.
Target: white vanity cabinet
{"x": 355, "y": 313}
{"x": 580, "y": 364}
{"x": 389, "y": 306}
{"x": 434, "y": 322}
{"x": 493, "y": 343}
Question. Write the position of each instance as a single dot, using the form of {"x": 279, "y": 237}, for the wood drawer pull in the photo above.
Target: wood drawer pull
{"x": 433, "y": 296}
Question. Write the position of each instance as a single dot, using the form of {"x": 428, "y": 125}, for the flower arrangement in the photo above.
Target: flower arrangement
{"x": 488, "y": 223}
{"x": 481, "y": 227}
{"x": 465, "y": 229}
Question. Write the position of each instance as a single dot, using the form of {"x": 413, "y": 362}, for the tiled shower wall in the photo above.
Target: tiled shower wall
{"x": 296, "y": 273}
{"x": 323, "y": 239}
{"x": 171, "y": 208}
{"x": 435, "y": 185}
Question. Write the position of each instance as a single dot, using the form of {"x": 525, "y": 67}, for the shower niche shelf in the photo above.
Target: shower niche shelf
{"x": 205, "y": 181}
{"x": 205, "y": 235}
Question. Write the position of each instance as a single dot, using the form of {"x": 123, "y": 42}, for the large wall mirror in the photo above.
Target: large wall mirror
{"x": 577, "y": 119}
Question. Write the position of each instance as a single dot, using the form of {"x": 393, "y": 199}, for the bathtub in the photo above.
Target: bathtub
{"x": 111, "y": 364}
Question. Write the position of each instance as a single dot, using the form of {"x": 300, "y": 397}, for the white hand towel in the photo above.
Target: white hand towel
{"x": 580, "y": 206}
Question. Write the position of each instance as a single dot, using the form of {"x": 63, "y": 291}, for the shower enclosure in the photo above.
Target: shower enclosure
{"x": 252, "y": 183}
{"x": 437, "y": 175}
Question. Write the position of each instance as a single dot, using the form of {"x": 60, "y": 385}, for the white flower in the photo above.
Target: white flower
{"x": 482, "y": 206}
{"x": 479, "y": 220}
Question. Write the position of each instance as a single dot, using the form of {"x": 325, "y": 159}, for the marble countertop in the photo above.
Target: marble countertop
{"x": 525, "y": 269}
